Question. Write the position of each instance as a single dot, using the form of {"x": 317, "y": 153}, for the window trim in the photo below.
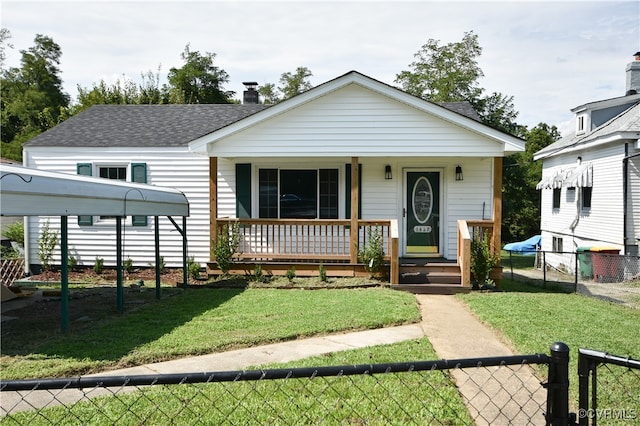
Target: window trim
{"x": 556, "y": 198}
{"x": 586, "y": 200}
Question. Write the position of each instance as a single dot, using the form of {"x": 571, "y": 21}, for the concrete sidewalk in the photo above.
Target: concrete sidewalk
{"x": 453, "y": 331}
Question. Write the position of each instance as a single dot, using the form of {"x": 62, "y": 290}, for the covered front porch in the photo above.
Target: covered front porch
{"x": 279, "y": 245}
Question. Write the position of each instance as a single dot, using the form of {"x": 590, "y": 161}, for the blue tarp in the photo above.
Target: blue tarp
{"x": 527, "y": 247}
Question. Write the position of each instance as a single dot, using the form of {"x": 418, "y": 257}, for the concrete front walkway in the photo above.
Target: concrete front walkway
{"x": 453, "y": 331}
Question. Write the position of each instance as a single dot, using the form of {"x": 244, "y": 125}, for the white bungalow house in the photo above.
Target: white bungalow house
{"x": 298, "y": 177}
{"x": 591, "y": 178}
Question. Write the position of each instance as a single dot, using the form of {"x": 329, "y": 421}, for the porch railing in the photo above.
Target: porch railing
{"x": 315, "y": 240}
{"x": 468, "y": 230}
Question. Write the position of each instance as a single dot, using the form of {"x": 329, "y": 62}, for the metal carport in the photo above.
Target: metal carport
{"x": 31, "y": 192}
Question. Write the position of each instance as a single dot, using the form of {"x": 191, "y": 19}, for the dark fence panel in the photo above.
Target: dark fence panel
{"x": 609, "y": 389}
{"x": 485, "y": 391}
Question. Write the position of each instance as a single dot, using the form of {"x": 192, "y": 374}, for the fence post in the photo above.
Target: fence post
{"x": 558, "y": 386}
{"x": 585, "y": 367}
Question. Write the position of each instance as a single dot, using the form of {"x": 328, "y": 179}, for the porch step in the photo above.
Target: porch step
{"x": 433, "y": 288}
{"x": 430, "y": 273}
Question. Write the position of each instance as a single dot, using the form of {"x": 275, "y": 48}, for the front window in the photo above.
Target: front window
{"x": 298, "y": 194}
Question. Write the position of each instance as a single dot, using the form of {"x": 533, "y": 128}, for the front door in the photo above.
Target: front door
{"x": 422, "y": 213}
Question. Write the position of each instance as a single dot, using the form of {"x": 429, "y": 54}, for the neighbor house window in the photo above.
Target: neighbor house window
{"x": 298, "y": 194}
{"x": 556, "y": 197}
{"x": 557, "y": 244}
{"x": 111, "y": 172}
{"x": 586, "y": 197}
{"x": 581, "y": 124}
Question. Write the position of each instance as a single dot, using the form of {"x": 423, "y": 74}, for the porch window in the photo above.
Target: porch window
{"x": 298, "y": 194}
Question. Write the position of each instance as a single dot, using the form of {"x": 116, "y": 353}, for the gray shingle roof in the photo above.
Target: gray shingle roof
{"x": 158, "y": 125}
{"x": 142, "y": 125}
{"x": 627, "y": 121}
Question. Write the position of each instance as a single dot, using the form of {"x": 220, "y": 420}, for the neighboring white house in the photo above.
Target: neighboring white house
{"x": 591, "y": 178}
{"x": 424, "y": 165}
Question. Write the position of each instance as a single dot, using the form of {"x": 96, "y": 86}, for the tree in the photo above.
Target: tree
{"x": 199, "y": 81}
{"x": 31, "y": 96}
{"x": 521, "y": 199}
{"x": 122, "y": 92}
{"x": 497, "y": 110}
{"x": 293, "y": 84}
{"x": 5, "y": 35}
{"x": 446, "y": 73}
{"x": 269, "y": 93}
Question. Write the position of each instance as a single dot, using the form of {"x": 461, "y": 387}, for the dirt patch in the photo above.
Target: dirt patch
{"x": 35, "y": 314}
{"x": 108, "y": 276}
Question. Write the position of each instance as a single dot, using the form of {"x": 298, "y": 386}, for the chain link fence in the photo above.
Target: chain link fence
{"x": 483, "y": 391}
{"x": 609, "y": 389}
{"x": 605, "y": 275}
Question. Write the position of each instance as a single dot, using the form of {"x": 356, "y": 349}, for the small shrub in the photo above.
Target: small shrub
{"x": 258, "y": 275}
{"x": 128, "y": 265}
{"x": 226, "y": 246}
{"x": 291, "y": 274}
{"x": 98, "y": 266}
{"x": 482, "y": 260}
{"x": 322, "y": 271}
{"x": 72, "y": 263}
{"x": 372, "y": 255}
{"x": 193, "y": 268}
{"x": 46, "y": 245}
{"x": 15, "y": 232}
{"x": 161, "y": 264}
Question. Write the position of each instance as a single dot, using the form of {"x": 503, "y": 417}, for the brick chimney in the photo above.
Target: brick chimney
{"x": 250, "y": 95}
{"x": 633, "y": 75}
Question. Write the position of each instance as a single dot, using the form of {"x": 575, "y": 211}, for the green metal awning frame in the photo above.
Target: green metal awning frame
{"x": 32, "y": 192}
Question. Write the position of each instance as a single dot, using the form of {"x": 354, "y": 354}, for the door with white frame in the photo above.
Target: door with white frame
{"x": 422, "y": 212}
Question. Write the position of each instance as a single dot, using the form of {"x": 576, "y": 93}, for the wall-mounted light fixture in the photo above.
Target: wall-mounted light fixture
{"x": 459, "y": 173}
{"x": 387, "y": 172}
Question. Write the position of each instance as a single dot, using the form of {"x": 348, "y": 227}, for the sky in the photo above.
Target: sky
{"x": 550, "y": 56}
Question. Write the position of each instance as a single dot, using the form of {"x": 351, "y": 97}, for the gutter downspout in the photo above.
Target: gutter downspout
{"x": 625, "y": 192}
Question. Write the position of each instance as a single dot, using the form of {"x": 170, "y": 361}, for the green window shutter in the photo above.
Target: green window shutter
{"x": 139, "y": 175}
{"x": 85, "y": 169}
{"x": 347, "y": 192}
{"x": 243, "y": 190}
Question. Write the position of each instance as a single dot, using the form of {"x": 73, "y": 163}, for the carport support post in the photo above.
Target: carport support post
{"x": 156, "y": 232}
{"x": 64, "y": 275}
{"x": 119, "y": 289}
{"x": 185, "y": 277}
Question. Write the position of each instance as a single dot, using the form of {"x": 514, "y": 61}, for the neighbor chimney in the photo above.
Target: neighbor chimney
{"x": 251, "y": 94}
{"x": 633, "y": 75}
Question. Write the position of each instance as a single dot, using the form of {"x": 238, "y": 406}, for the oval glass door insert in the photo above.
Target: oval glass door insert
{"x": 422, "y": 199}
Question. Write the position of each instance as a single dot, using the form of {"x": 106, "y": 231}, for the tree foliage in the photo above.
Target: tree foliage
{"x": 521, "y": 199}
{"x": 31, "y": 95}
{"x": 198, "y": 81}
{"x": 292, "y": 84}
{"x": 445, "y": 73}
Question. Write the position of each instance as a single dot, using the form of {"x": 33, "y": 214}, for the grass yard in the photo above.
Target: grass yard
{"x": 398, "y": 398}
{"x": 199, "y": 321}
{"x": 533, "y": 318}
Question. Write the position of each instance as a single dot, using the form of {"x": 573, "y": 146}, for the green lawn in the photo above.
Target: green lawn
{"x": 533, "y": 318}
{"x": 199, "y": 321}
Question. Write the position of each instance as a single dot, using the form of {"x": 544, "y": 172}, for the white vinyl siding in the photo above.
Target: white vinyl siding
{"x": 175, "y": 168}
{"x": 587, "y": 225}
{"x": 355, "y": 121}
{"x": 633, "y": 207}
